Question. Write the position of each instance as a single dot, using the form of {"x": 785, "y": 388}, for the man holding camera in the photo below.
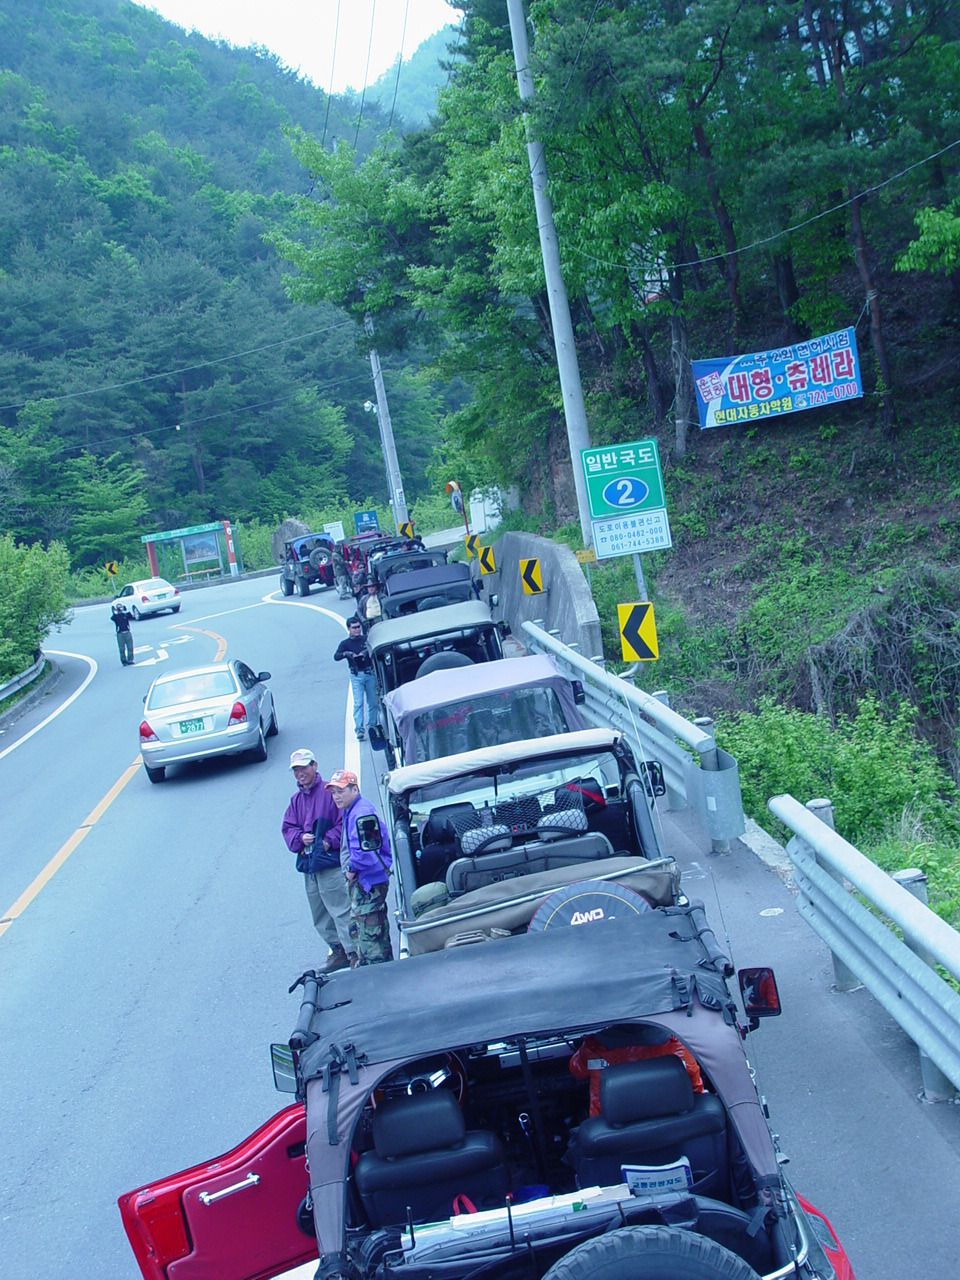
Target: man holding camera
{"x": 311, "y": 829}
{"x": 362, "y": 680}
{"x": 365, "y": 866}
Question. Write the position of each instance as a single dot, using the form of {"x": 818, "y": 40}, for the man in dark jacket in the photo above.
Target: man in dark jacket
{"x": 311, "y": 828}
{"x": 121, "y": 620}
{"x": 367, "y": 870}
{"x": 362, "y": 681}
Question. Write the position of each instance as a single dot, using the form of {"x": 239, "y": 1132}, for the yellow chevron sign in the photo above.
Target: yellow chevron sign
{"x": 638, "y": 632}
{"x": 486, "y": 560}
{"x": 530, "y": 577}
{"x": 111, "y": 568}
{"x": 406, "y": 529}
{"x": 472, "y": 543}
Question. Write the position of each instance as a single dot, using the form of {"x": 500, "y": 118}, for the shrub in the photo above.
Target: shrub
{"x": 33, "y": 599}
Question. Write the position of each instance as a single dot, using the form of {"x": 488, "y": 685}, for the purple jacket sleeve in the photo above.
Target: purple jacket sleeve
{"x": 292, "y": 827}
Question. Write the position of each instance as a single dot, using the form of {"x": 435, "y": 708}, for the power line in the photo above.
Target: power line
{"x": 366, "y": 73}
{"x": 777, "y": 235}
{"x": 396, "y": 87}
{"x": 333, "y": 63}
{"x": 173, "y": 373}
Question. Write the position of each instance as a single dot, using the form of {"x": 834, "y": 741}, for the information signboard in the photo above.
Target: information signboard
{"x": 625, "y": 493}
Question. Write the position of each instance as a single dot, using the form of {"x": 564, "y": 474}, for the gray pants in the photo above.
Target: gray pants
{"x": 330, "y": 907}
{"x": 125, "y": 645}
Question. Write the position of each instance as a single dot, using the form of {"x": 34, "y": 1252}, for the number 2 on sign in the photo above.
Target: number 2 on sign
{"x": 627, "y": 491}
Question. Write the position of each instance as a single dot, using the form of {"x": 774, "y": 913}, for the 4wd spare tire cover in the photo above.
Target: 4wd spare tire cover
{"x": 320, "y": 556}
{"x": 588, "y": 902}
{"x": 651, "y": 1253}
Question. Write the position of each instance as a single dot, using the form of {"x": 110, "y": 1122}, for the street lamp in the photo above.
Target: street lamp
{"x": 394, "y": 483}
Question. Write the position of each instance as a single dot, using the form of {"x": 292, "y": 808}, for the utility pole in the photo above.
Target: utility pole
{"x": 574, "y": 411}
{"x": 394, "y": 481}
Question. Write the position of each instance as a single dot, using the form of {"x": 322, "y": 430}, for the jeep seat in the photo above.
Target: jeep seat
{"x": 649, "y": 1115}
{"x": 423, "y": 1158}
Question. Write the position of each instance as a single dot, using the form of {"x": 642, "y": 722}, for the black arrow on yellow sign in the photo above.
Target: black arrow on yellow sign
{"x": 486, "y": 560}
{"x": 530, "y": 577}
{"x": 111, "y": 568}
{"x": 472, "y": 542}
{"x": 638, "y": 632}
{"x": 406, "y": 529}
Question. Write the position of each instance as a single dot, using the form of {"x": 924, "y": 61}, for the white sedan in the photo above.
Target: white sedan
{"x": 152, "y": 595}
{"x": 220, "y": 710}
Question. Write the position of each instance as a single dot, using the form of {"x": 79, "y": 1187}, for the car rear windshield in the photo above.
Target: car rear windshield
{"x": 195, "y": 687}
{"x": 509, "y": 715}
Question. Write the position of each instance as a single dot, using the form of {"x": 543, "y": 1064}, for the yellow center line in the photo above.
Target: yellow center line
{"x": 65, "y": 850}
{"x": 221, "y": 643}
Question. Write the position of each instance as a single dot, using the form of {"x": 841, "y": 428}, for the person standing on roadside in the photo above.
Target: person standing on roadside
{"x": 362, "y": 682}
{"x": 311, "y": 829}
{"x": 367, "y": 871}
{"x": 121, "y": 620}
{"x": 369, "y": 605}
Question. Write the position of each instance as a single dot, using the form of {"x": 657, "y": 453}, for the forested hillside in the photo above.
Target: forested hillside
{"x": 154, "y": 371}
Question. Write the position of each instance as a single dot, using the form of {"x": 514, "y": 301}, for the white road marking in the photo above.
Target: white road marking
{"x": 162, "y": 656}
{"x": 57, "y": 653}
{"x": 351, "y": 750}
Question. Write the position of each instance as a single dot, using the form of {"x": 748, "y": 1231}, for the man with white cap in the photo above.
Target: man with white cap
{"x": 311, "y": 827}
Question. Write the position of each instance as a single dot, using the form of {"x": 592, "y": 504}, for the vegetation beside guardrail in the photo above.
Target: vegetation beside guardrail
{"x": 33, "y": 599}
{"x": 891, "y": 797}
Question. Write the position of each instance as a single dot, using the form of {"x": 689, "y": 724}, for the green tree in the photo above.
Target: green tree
{"x": 33, "y": 585}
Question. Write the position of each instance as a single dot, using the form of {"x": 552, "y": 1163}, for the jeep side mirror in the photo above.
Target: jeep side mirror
{"x": 578, "y": 694}
{"x": 652, "y": 773}
{"x": 503, "y": 628}
{"x": 758, "y": 990}
{"x": 284, "y": 1064}
{"x": 377, "y": 741}
{"x": 369, "y": 833}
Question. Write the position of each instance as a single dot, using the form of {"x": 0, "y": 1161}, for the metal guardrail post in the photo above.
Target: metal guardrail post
{"x": 896, "y": 949}
{"x": 937, "y": 1087}
{"x": 822, "y": 808}
{"x": 710, "y": 761}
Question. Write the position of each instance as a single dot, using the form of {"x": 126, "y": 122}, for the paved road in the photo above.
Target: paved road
{"x": 142, "y": 983}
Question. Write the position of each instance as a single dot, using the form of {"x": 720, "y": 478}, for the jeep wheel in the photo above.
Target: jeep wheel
{"x": 651, "y": 1253}
{"x": 303, "y": 586}
{"x": 286, "y": 586}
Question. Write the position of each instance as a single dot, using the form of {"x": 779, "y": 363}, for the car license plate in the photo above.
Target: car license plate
{"x": 191, "y": 726}
{"x": 163, "y": 595}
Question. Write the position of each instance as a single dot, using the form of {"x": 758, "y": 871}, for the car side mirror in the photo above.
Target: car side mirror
{"x": 758, "y": 990}
{"x": 578, "y": 694}
{"x": 263, "y": 675}
{"x": 284, "y": 1062}
{"x": 144, "y": 699}
{"x": 652, "y": 773}
{"x": 377, "y": 741}
{"x": 503, "y": 628}
{"x": 369, "y": 833}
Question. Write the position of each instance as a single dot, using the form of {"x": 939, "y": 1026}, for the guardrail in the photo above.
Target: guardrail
{"x": 21, "y": 681}
{"x": 901, "y": 975}
{"x": 697, "y": 772}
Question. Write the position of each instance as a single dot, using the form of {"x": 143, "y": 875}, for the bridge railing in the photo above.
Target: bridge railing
{"x": 697, "y": 772}
{"x": 901, "y": 974}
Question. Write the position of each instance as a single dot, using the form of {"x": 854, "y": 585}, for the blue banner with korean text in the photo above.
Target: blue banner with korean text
{"x": 764, "y": 384}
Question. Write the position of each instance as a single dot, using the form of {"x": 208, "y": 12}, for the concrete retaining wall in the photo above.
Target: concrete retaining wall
{"x": 565, "y": 604}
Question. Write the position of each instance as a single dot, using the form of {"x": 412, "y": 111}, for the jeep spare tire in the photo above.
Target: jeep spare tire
{"x": 587, "y": 902}
{"x": 319, "y": 556}
{"x": 651, "y": 1253}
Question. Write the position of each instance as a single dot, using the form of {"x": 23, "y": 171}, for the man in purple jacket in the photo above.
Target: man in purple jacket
{"x": 367, "y": 870}
{"x": 311, "y": 828}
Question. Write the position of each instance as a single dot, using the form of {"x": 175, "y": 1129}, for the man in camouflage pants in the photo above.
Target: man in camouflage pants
{"x": 367, "y": 871}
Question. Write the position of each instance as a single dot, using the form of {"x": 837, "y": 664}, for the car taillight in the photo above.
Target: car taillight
{"x": 144, "y": 599}
{"x": 239, "y": 714}
{"x": 146, "y": 733}
{"x": 176, "y": 591}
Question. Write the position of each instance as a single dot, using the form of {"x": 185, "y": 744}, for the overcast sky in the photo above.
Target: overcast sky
{"x": 302, "y": 32}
